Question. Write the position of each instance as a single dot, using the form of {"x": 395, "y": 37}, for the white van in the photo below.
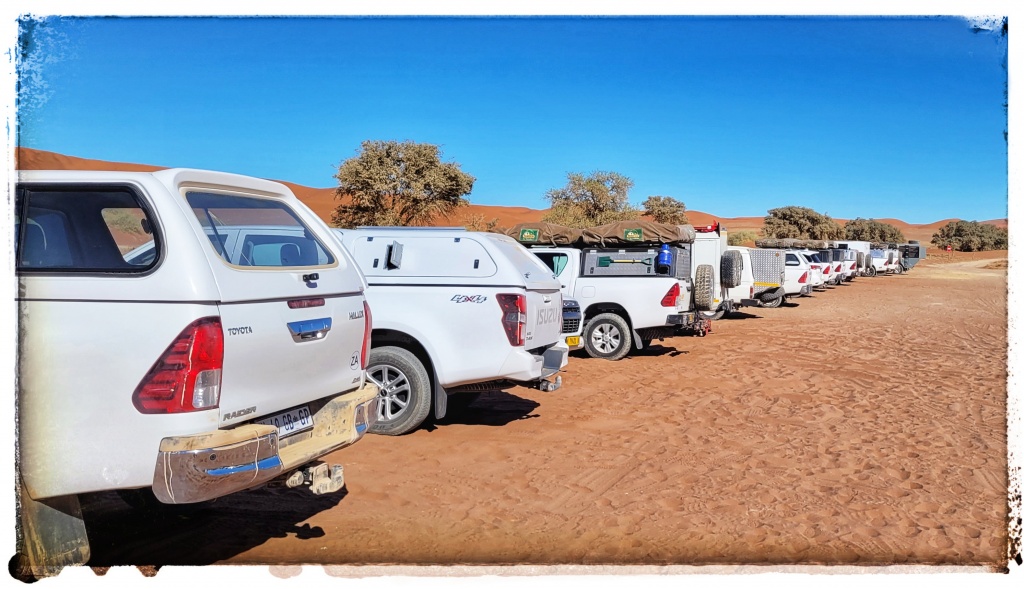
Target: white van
{"x": 454, "y": 312}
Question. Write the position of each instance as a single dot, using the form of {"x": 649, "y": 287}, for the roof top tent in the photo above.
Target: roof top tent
{"x": 911, "y": 253}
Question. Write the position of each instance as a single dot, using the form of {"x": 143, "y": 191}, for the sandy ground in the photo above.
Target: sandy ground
{"x": 863, "y": 425}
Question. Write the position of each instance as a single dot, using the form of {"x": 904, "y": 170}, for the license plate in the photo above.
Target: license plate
{"x": 290, "y": 422}
{"x": 572, "y": 340}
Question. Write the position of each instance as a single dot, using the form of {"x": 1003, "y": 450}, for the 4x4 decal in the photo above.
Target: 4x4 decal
{"x": 469, "y": 299}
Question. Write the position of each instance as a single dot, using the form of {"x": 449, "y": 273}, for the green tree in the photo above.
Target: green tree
{"x": 742, "y": 237}
{"x": 665, "y": 209}
{"x": 595, "y": 199}
{"x": 800, "y": 223}
{"x": 971, "y": 236}
{"x": 874, "y": 231}
{"x": 398, "y": 183}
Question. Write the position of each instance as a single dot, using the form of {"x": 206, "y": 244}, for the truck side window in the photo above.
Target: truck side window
{"x": 94, "y": 229}
{"x": 791, "y": 260}
{"x": 557, "y": 262}
{"x": 256, "y": 232}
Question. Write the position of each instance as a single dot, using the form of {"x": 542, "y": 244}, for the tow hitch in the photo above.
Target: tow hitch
{"x": 321, "y": 478}
{"x": 702, "y": 327}
{"x": 550, "y": 385}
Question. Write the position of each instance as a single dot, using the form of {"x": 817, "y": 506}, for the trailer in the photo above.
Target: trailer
{"x": 862, "y": 256}
{"x": 911, "y": 253}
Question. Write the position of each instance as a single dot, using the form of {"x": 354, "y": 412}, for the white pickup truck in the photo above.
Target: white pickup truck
{"x": 184, "y": 370}
{"x": 625, "y": 298}
{"x": 454, "y": 312}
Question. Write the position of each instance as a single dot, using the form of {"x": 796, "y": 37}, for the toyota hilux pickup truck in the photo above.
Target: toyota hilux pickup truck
{"x": 183, "y": 334}
{"x": 456, "y": 313}
{"x": 629, "y": 291}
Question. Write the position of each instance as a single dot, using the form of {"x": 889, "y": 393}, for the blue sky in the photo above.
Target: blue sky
{"x": 869, "y": 117}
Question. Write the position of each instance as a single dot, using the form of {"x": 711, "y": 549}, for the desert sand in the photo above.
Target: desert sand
{"x": 863, "y": 425}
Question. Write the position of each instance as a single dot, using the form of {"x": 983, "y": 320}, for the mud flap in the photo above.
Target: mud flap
{"x": 440, "y": 400}
{"x": 51, "y": 536}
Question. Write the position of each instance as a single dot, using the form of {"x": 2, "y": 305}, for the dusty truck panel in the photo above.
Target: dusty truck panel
{"x": 192, "y": 315}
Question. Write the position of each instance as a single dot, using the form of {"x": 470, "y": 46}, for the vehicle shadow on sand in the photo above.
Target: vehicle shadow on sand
{"x": 121, "y": 535}
{"x": 493, "y": 408}
{"x": 740, "y": 315}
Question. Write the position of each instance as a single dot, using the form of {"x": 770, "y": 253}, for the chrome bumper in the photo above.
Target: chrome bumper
{"x": 201, "y": 467}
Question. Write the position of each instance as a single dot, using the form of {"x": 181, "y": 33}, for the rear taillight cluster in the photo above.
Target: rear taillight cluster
{"x": 826, "y": 269}
{"x": 803, "y": 279}
{"x": 187, "y": 375}
{"x": 364, "y": 353}
{"x": 669, "y": 300}
{"x": 513, "y": 316}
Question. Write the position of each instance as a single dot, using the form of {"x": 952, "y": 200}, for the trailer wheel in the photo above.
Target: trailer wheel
{"x": 704, "y": 287}
{"x": 898, "y": 269}
{"x": 607, "y": 336}
{"x": 871, "y": 271}
{"x": 405, "y": 390}
{"x": 732, "y": 268}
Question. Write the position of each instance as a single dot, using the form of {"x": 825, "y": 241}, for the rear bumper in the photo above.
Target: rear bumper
{"x": 206, "y": 466}
{"x": 750, "y": 302}
{"x": 681, "y": 319}
{"x": 523, "y": 366}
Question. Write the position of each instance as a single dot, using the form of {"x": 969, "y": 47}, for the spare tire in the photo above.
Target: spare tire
{"x": 771, "y": 295}
{"x": 704, "y": 288}
{"x": 914, "y": 242}
{"x": 861, "y": 265}
{"x": 732, "y": 268}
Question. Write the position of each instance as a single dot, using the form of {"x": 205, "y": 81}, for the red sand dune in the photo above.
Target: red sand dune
{"x": 322, "y": 200}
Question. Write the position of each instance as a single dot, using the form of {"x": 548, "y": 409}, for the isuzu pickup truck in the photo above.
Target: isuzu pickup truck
{"x": 184, "y": 335}
{"x": 455, "y": 313}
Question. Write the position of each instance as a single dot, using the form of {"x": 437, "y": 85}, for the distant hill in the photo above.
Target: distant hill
{"x": 322, "y": 200}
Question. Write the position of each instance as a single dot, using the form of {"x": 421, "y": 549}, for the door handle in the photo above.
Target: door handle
{"x": 310, "y": 329}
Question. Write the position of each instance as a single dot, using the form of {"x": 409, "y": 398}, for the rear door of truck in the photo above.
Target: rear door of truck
{"x": 291, "y": 304}
{"x": 543, "y": 294}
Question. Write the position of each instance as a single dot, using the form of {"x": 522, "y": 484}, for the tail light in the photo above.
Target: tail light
{"x": 186, "y": 377}
{"x": 826, "y": 270}
{"x": 513, "y": 316}
{"x": 751, "y": 293}
{"x": 669, "y": 300}
{"x": 364, "y": 354}
{"x": 803, "y": 279}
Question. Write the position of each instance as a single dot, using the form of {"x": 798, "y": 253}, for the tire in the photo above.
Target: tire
{"x": 774, "y": 302}
{"x": 770, "y": 295}
{"x": 732, "y": 268}
{"x": 607, "y": 336}
{"x": 898, "y": 269}
{"x": 712, "y": 315}
{"x": 704, "y": 287}
{"x": 405, "y": 390}
{"x": 871, "y": 271}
